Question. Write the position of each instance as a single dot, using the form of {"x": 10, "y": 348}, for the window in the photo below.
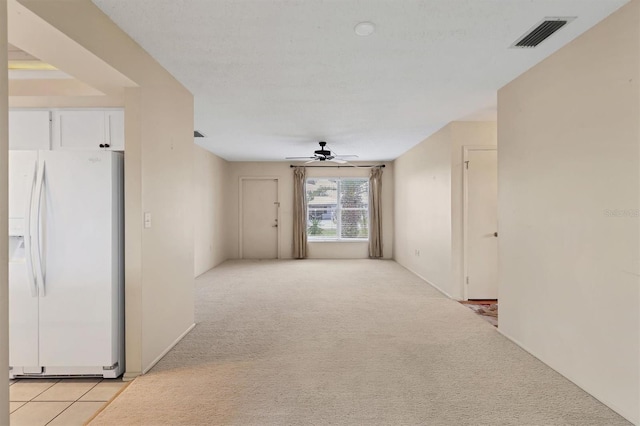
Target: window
{"x": 337, "y": 209}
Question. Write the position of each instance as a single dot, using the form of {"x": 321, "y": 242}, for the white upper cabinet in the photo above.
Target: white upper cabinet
{"x": 29, "y": 130}
{"x": 88, "y": 129}
{"x": 78, "y": 129}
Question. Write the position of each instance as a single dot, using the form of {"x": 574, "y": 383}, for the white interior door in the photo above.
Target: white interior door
{"x": 481, "y": 254}
{"x": 259, "y": 218}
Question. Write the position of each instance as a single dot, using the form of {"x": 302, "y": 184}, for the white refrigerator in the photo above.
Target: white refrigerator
{"x": 66, "y": 275}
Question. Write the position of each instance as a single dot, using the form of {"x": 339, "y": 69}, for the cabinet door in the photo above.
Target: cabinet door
{"x": 115, "y": 130}
{"x": 78, "y": 129}
{"x": 29, "y": 130}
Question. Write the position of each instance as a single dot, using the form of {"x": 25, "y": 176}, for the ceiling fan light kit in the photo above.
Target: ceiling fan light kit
{"x": 324, "y": 154}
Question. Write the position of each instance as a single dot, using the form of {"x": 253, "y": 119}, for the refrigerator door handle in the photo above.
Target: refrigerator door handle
{"x": 39, "y": 266}
{"x": 27, "y": 236}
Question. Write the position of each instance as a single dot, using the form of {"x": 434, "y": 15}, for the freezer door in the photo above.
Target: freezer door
{"x": 23, "y": 316}
{"x": 23, "y": 296}
{"x": 79, "y": 293}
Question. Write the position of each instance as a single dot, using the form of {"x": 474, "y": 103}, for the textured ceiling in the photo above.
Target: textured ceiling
{"x": 272, "y": 77}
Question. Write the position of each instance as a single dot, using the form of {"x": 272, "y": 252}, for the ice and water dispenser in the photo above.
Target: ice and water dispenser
{"x": 18, "y": 262}
{"x": 17, "y": 252}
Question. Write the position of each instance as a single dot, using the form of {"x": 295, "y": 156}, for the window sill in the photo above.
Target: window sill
{"x": 337, "y": 241}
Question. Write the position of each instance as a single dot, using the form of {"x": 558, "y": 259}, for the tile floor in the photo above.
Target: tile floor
{"x": 59, "y": 402}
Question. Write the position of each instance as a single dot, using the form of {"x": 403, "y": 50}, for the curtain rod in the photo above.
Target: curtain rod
{"x": 365, "y": 166}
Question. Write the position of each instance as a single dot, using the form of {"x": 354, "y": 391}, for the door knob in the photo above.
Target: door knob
{"x": 495, "y": 234}
{"x": 275, "y": 226}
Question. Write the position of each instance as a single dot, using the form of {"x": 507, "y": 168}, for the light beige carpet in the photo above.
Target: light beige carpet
{"x": 361, "y": 342}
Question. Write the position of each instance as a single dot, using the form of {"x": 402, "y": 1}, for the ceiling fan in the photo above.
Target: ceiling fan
{"x": 324, "y": 154}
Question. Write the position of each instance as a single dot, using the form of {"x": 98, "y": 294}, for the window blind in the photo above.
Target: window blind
{"x": 337, "y": 209}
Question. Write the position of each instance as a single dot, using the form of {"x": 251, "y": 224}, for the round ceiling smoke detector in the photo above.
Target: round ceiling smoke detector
{"x": 364, "y": 29}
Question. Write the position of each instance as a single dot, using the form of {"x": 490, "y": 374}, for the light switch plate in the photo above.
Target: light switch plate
{"x": 147, "y": 220}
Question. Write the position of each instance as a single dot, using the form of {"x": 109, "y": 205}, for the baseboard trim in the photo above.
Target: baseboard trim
{"x": 425, "y": 280}
{"x": 175, "y": 342}
{"x": 215, "y": 265}
{"x": 614, "y": 407}
{"x": 130, "y": 375}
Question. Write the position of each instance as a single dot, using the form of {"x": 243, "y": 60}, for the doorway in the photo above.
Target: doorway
{"x": 259, "y": 206}
{"x": 480, "y": 227}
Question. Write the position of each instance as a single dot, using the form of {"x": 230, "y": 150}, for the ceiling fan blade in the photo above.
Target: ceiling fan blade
{"x": 335, "y": 154}
{"x": 325, "y": 154}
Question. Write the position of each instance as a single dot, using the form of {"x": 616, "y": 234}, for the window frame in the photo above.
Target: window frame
{"x": 339, "y": 209}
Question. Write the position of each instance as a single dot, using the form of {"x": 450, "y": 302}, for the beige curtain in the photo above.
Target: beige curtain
{"x": 375, "y": 213}
{"x": 299, "y": 213}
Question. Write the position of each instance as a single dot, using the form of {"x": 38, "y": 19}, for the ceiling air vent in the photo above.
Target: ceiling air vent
{"x": 197, "y": 134}
{"x": 541, "y": 32}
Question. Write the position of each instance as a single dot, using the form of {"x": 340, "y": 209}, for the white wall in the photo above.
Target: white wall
{"x": 429, "y": 201}
{"x": 568, "y": 133}
{"x": 423, "y": 209}
{"x": 4, "y": 239}
{"x": 282, "y": 171}
{"x": 210, "y": 185}
{"x": 166, "y": 126}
